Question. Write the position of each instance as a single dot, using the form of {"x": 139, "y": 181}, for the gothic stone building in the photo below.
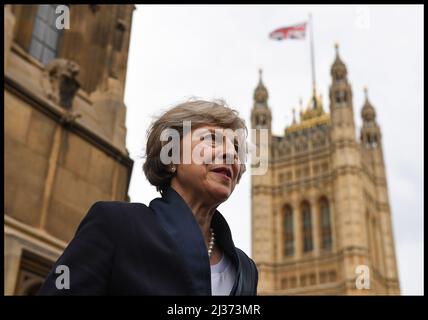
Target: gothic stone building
{"x": 322, "y": 208}
{"x": 64, "y": 129}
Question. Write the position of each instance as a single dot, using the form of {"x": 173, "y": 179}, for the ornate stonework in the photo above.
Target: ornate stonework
{"x": 321, "y": 213}
{"x": 65, "y": 134}
{"x": 59, "y": 81}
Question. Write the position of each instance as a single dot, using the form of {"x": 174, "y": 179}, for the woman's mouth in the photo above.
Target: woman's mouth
{"x": 224, "y": 172}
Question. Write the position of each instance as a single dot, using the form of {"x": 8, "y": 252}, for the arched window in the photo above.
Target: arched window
{"x": 371, "y": 140}
{"x": 45, "y": 37}
{"x": 288, "y": 231}
{"x": 340, "y": 97}
{"x": 307, "y": 227}
{"x": 33, "y": 270}
{"x": 325, "y": 224}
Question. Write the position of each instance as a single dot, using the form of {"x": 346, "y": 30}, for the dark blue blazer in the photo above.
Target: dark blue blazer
{"x": 123, "y": 248}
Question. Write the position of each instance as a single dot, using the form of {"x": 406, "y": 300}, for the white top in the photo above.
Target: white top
{"x": 223, "y": 276}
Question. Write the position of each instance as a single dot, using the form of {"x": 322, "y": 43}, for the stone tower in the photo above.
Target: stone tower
{"x": 64, "y": 128}
{"x": 261, "y": 200}
{"x": 377, "y": 210}
{"x": 321, "y": 221}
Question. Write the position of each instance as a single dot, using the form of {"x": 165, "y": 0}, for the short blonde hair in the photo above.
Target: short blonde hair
{"x": 199, "y": 112}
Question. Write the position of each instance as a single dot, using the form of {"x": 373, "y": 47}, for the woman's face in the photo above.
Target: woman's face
{"x": 212, "y": 172}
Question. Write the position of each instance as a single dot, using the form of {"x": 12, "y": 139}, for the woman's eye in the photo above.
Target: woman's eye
{"x": 208, "y": 138}
{"x": 205, "y": 137}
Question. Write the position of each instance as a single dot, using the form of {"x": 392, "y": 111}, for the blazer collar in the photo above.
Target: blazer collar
{"x": 178, "y": 221}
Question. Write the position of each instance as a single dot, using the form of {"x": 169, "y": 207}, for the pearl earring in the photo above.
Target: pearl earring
{"x": 173, "y": 169}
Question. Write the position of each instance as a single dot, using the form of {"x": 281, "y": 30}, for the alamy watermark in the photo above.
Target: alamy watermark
{"x": 362, "y": 281}
{"x": 61, "y": 14}
{"x": 218, "y": 146}
{"x": 362, "y": 19}
{"x": 62, "y": 282}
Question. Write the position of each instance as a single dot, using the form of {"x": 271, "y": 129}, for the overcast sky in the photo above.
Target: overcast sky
{"x": 178, "y": 52}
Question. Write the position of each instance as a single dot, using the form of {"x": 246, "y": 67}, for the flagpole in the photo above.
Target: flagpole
{"x": 312, "y": 60}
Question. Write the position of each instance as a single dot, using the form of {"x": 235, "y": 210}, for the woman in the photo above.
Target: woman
{"x": 180, "y": 244}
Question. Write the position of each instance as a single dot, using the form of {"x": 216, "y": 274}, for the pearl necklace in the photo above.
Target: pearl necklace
{"x": 211, "y": 243}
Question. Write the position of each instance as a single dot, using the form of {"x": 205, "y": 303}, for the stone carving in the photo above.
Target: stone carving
{"x": 69, "y": 118}
{"x": 59, "y": 81}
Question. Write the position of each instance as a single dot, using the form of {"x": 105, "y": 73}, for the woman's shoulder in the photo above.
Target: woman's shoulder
{"x": 246, "y": 261}
{"x": 113, "y": 208}
{"x": 243, "y": 256}
{"x": 117, "y": 214}
{"x": 249, "y": 273}
{"x": 119, "y": 206}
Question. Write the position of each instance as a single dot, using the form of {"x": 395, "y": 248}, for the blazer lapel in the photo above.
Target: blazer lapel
{"x": 178, "y": 221}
